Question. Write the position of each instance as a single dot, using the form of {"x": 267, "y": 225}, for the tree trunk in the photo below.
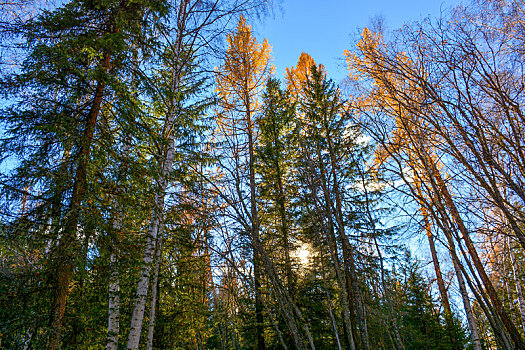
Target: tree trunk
{"x": 275, "y": 326}
{"x": 288, "y": 307}
{"x": 441, "y": 189}
{"x": 145, "y": 270}
{"x": 474, "y": 334}
{"x": 157, "y": 216}
{"x": 513, "y": 332}
{"x": 66, "y": 247}
{"x": 114, "y": 282}
{"x": 113, "y": 307}
{"x": 446, "y": 227}
{"x": 399, "y": 343}
{"x": 290, "y": 283}
{"x": 519, "y": 290}
{"x": 439, "y": 277}
{"x": 348, "y": 254}
{"x": 329, "y": 307}
{"x": 341, "y": 275}
{"x": 259, "y": 319}
{"x": 325, "y": 220}
{"x": 332, "y": 320}
{"x": 154, "y": 291}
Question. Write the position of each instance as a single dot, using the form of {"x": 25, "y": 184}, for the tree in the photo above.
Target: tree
{"x": 68, "y": 73}
{"x": 420, "y": 323}
{"x": 191, "y": 207}
{"x": 240, "y": 81}
{"x": 326, "y": 144}
{"x": 427, "y": 95}
{"x": 274, "y": 153}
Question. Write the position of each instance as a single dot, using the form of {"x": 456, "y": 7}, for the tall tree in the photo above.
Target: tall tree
{"x": 196, "y": 24}
{"x": 326, "y": 142}
{"x": 240, "y": 82}
{"x": 416, "y": 71}
{"x": 274, "y": 155}
{"x": 70, "y": 70}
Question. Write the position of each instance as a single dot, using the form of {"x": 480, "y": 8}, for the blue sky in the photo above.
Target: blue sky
{"x": 324, "y": 29}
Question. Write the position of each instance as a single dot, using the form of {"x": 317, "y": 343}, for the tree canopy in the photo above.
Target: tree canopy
{"x": 162, "y": 188}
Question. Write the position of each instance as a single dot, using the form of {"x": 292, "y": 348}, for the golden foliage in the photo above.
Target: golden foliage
{"x": 245, "y": 70}
{"x": 296, "y": 76}
{"x": 393, "y": 94}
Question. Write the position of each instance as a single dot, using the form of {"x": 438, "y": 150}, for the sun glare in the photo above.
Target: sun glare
{"x": 302, "y": 253}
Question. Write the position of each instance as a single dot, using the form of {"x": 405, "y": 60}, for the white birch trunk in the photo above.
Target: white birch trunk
{"x": 156, "y": 222}
{"x": 149, "y": 252}
{"x": 153, "y": 303}
{"x": 114, "y": 281}
{"x": 114, "y": 307}
{"x": 157, "y": 216}
{"x": 519, "y": 290}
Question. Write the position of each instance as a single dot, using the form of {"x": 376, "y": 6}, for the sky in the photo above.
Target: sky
{"x": 324, "y": 29}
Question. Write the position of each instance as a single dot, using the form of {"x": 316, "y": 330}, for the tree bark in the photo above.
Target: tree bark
{"x": 439, "y": 277}
{"x": 154, "y": 291}
{"x": 113, "y": 305}
{"x": 157, "y": 216}
{"x": 474, "y": 334}
{"x": 114, "y": 282}
{"x": 517, "y": 281}
{"x": 65, "y": 251}
{"x": 288, "y": 308}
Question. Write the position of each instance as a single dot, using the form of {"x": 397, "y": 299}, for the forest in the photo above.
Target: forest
{"x": 161, "y": 187}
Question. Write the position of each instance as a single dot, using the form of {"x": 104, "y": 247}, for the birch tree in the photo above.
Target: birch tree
{"x": 415, "y": 69}
{"x": 196, "y": 24}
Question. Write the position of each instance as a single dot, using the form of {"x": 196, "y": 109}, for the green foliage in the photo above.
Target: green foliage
{"x": 315, "y": 193}
{"x": 73, "y": 55}
{"x": 422, "y": 326}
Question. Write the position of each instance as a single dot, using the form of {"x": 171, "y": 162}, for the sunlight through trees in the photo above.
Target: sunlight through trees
{"x": 163, "y": 188}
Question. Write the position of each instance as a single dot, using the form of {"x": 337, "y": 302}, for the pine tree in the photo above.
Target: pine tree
{"x": 421, "y": 325}
{"x": 325, "y": 155}
{"x": 70, "y": 70}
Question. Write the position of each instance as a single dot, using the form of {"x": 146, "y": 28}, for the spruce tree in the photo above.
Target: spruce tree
{"x": 76, "y": 57}
{"x": 273, "y": 166}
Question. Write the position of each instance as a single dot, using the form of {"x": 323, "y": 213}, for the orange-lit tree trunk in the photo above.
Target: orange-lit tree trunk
{"x": 439, "y": 277}
{"x": 461, "y": 283}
